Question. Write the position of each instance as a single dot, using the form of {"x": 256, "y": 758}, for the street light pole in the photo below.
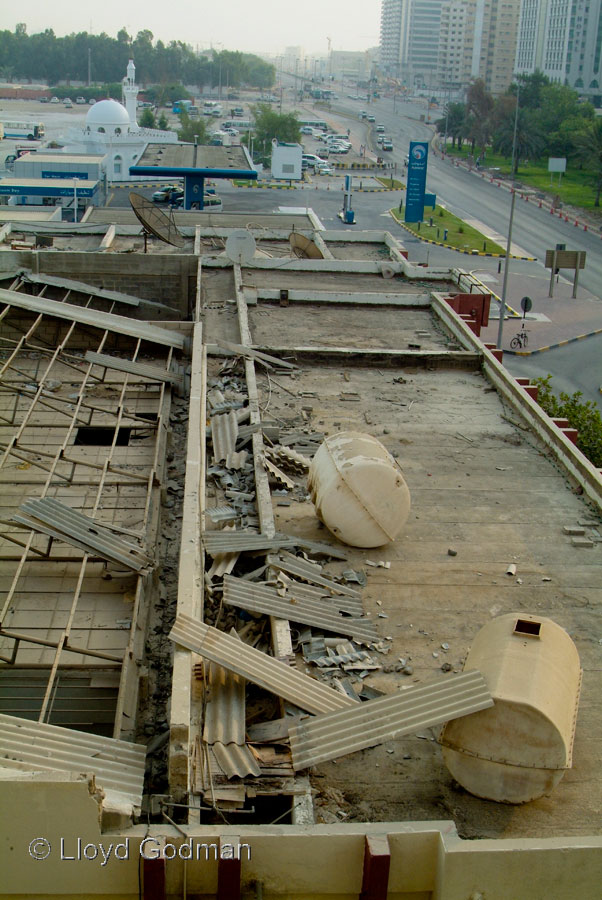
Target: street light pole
{"x": 500, "y": 329}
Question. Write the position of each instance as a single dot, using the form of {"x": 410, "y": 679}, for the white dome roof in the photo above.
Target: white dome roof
{"x": 107, "y": 113}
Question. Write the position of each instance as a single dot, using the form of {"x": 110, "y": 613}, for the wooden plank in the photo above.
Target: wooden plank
{"x": 250, "y": 353}
{"x": 133, "y": 368}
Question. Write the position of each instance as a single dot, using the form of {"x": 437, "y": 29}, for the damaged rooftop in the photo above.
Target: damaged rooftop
{"x": 159, "y": 417}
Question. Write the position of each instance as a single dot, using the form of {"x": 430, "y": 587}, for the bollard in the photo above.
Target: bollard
{"x": 445, "y": 234}
{"x": 484, "y": 246}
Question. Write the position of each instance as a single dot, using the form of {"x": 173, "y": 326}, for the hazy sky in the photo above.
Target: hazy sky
{"x": 259, "y": 25}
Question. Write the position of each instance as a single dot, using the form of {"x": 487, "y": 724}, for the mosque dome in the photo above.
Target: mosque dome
{"x": 108, "y": 116}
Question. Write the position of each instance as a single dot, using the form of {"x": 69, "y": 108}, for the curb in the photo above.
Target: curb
{"x": 457, "y": 249}
{"x": 579, "y": 337}
{"x": 542, "y": 204}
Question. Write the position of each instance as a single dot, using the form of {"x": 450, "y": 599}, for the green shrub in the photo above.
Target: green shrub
{"x": 585, "y": 417}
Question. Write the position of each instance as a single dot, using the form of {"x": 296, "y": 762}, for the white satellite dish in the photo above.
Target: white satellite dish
{"x": 240, "y": 246}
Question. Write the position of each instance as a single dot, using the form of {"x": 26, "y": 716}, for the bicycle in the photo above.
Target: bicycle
{"x": 520, "y": 340}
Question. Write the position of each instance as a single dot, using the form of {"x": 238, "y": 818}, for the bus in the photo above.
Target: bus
{"x": 33, "y": 131}
{"x": 313, "y": 123}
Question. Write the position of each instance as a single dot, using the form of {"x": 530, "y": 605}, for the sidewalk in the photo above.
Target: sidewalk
{"x": 552, "y": 322}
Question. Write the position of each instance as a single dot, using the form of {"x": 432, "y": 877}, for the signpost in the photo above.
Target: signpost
{"x": 565, "y": 259}
{"x": 416, "y": 182}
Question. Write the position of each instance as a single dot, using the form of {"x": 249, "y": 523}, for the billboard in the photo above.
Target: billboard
{"x": 416, "y": 183}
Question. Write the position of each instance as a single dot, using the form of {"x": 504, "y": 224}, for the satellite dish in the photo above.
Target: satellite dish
{"x": 303, "y": 248}
{"x": 240, "y": 246}
{"x": 154, "y": 221}
{"x": 387, "y": 271}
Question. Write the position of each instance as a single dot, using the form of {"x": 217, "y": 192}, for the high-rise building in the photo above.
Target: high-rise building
{"x": 494, "y": 47}
{"x": 562, "y": 39}
{"x": 432, "y": 43}
{"x": 456, "y": 41}
{"x": 410, "y": 40}
{"x": 390, "y": 36}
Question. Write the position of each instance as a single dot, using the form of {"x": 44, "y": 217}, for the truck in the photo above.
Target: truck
{"x": 181, "y": 106}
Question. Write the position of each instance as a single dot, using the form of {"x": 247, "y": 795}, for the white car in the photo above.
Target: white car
{"x": 306, "y": 129}
{"x": 324, "y": 169}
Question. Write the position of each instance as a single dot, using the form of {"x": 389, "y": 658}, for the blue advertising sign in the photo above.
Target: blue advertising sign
{"x": 416, "y": 182}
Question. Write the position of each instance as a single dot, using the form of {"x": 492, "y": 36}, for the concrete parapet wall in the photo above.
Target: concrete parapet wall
{"x": 428, "y": 861}
{"x": 163, "y": 278}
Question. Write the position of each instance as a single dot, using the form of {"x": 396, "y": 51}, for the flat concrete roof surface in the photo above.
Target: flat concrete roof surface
{"x": 188, "y": 156}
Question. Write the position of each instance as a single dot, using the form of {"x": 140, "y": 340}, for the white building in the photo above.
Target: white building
{"x": 111, "y": 130}
{"x": 562, "y": 39}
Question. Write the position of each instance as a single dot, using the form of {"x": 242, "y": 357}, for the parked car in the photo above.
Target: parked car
{"x": 312, "y": 160}
{"x": 67, "y": 101}
{"x": 55, "y": 100}
{"x": 166, "y": 194}
{"x": 306, "y": 129}
{"x": 80, "y": 100}
{"x": 324, "y": 169}
{"x": 338, "y": 148}
{"x": 44, "y": 100}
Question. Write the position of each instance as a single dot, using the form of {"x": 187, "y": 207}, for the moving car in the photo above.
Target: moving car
{"x": 387, "y": 144}
{"x": 380, "y": 128}
{"x": 371, "y": 118}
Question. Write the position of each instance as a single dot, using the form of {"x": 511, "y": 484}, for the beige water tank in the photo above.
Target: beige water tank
{"x": 358, "y": 490}
{"x": 519, "y": 749}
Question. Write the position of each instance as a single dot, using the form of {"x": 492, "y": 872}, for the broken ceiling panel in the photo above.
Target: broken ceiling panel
{"x": 255, "y": 666}
{"x": 118, "y": 766}
{"x": 319, "y": 613}
{"x": 375, "y": 721}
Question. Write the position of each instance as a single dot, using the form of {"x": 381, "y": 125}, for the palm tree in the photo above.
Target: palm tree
{"x": 588, "y": 150}
{"x": 529, "y": 139}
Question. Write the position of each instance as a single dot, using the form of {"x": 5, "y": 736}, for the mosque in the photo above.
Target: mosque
{"x": 111, "y": 130}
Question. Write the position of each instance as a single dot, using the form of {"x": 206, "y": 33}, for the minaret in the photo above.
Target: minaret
{"x": 130, "y": 93}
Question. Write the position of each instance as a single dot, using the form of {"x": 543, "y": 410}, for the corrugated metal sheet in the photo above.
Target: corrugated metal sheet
{"x": 225, "y": 710}
{"x": 51, "y": 517}
{"x": 224, "y": 432}
{"x": 106, "y": 321}
{"x": 117, "y": 765}
{"x": 236, "y": 761}
{"x": 230, "y": 541}
{"x": 236, "y": 460}
{"x": 255, "y": 666}
{"x": 374, "y": 721}
{"x": 307, "y": 592}
{"x": 309, "y": 571}
{"x": 238, "y": 541}
{"x": 68, "y": 284}
{"x": 319, "y": 613}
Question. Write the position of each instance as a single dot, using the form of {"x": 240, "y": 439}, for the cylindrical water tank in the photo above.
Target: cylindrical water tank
{"x": 519, "y": 749}
{"x": 357, "y": 490}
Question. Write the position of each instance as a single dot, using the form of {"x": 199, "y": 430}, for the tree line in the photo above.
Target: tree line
{"x": 550, "y": 121}
{"x": 51, "y": 59}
